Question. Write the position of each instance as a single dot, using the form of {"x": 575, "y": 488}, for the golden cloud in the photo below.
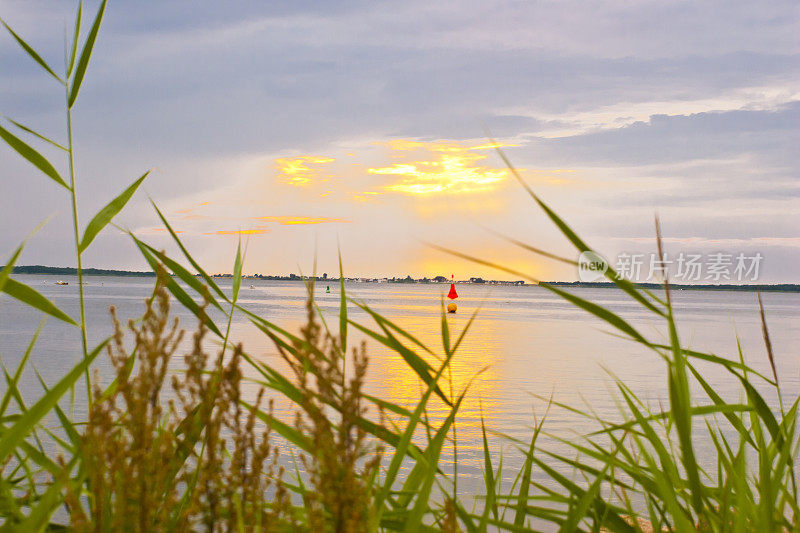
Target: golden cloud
{"x": 302, "y": 170}
{"x": 148, "y": 231}
{"x": 191, "y": 209}
{"x": 447, "y": 166}
{"x": 301, "y": 220}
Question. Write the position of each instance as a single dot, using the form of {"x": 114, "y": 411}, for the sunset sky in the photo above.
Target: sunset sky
{"x": 303, "y": 126}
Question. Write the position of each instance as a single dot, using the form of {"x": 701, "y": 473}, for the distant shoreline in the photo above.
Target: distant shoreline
{"x": 776, "y": 287}
{"x": 71, "y": 271}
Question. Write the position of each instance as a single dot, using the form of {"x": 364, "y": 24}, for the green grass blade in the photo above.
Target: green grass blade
{"x": 445, "y": 330}
{"x": 525, "y": 482}
{"x": 578, "y": 512}
{"x": 484, "y": 262}
{"x": 30, "y": 296}
{"x": 184, "y": 275}
{"x": 46, "y": 505}
{"x": 768, "y": 346}
{"x": 12, "y": 392}
{"x": 342, "y": 309}
{"x": 34, "y": 157}
{"x": 105, "y": 215}
{"x": 735, "y": 421}
{"x": 405, "y": 441}
{"x": 600, "y": 312}
{"x": 76, "y": 33}
{"x": 23, "y": 426}
{"x": 273, "y": 331}
{"x": 624, "y": 284}
{"x": 726, "y": 409}
{"x": 31, "y": 52}
{"x": 188, "y": 256}
{"x": 7, "y": 270}
{"x": 181, "y": 295}
{"x": 488, "y": 473}
{"x": 290, "y": 433}
{"x": 279, "y": 383}
{"x": 414, "y": 520}
{"x": 86, "y": 53}
{"x": 237, "y": 273}
{"x": 9, "y": 267}
{"x": 763, "y": 411}
{"x": 385, "y": 324}
{"x": 414, "y": 361}
{"x": 680, "y": 405}
{"x": 12, "y": 385}
{"x": 39, "y": 517}
{"x": 35, "y": 454}
{"x": 235, "y": 285}
{"x": 711, "y": 358}
{"x": 613, "y": 519}
{"x": 37, "y": 135}
{"x": 66, "y": 424}
{"x": 668, "y": 468}
{"x": 609, "y": 458}
{"x": 464, "y": 331}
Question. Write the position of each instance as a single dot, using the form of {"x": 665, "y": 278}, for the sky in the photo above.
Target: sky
{"x": 306, "y": 126}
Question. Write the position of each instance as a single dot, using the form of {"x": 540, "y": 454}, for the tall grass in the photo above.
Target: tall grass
{"x": 76, "y": 62}
{"x": 208, "y": 462}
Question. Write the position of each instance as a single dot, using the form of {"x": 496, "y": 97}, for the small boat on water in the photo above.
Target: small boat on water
{"x": 59, "y": 282}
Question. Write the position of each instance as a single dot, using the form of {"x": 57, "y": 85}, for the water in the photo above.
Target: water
{"x": 525, "y": 341}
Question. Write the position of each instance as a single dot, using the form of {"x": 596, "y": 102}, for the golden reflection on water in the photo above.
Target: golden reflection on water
{"x": 472, "y": 370}
{"x": 481, "y": 368}
{"x": 528, "y": 342}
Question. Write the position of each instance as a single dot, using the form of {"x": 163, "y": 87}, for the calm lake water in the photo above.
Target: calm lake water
{"x": 529, "y": 342}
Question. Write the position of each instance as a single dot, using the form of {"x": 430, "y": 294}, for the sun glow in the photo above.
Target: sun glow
{"x": 447, "y": 166}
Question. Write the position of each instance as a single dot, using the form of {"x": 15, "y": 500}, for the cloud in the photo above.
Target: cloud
{"x": 670, "y": 139}
{"x": 621, "y": 114}
{"x": 447, "y": 167}
{"x": 793, "y": 242}
{"x": 259, "y": 231}
{"x": 155, "y": 231}
{"x": 303, "y": 170}
{"x": 302, "y": 220}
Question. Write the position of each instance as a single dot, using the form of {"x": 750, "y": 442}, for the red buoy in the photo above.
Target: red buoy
{"x": 452, "y": 294}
